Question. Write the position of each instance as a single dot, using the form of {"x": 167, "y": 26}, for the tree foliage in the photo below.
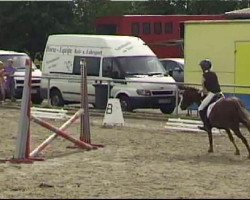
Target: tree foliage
{"x": 26, "y": 25}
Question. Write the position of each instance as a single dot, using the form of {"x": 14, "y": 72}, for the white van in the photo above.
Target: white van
{"x": 19, "y": 60}
{"x": 122, "y": 59}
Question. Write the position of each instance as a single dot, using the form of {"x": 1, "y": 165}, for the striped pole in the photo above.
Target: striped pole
{"x": 46, "y": 142}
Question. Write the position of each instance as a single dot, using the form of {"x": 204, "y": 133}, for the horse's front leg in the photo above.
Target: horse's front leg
{"x": 210, "y": 138}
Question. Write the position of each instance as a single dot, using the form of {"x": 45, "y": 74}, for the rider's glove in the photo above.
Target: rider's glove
{"x": 201, "y": 92}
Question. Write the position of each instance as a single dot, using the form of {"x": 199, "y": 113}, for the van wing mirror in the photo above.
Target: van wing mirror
{"x": 178, "y": 69}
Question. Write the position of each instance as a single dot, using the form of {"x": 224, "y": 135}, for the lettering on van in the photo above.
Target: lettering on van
{"x": 52, "y": 62}
{"x": 125, "y": 47}
{"x": 73, "y": 50}
{"x": 59, "y": 49}
{"x": 93, "y": 52}
{"x": 84, "y": 51}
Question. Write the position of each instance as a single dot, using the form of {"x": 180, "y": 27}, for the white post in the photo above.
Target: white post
{"x": 22, "y": 143}
{"x": 85, "y": 127}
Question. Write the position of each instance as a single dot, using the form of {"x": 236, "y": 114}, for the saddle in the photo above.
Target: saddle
{"x": 216, "y": 97}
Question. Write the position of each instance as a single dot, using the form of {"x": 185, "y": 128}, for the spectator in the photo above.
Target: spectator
{"x": 10, "y": 80}
{"x": 2, "y": 82}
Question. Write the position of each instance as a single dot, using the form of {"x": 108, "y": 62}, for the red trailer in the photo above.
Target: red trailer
{"x": 163, "y": 33}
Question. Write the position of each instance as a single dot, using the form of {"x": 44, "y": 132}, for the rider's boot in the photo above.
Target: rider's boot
{"x": 203, "y": 116}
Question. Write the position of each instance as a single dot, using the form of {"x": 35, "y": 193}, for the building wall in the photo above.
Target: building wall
{"x": 216, "y": 41}
{"x": 227, "y": 45}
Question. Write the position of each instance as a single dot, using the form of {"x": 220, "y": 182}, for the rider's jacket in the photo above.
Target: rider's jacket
{"x": 211, "y": 82}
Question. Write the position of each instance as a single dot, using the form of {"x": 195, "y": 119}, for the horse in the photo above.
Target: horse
{"x": 226, "y": 113}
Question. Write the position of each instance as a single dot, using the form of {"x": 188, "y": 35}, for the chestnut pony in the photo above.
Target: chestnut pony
{"x": 227, "y": 114}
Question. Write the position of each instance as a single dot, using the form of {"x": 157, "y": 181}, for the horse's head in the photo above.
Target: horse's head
{"x": 190, "y": 95}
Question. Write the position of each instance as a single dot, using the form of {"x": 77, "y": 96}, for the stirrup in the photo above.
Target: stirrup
{"x": 203, "y": 128}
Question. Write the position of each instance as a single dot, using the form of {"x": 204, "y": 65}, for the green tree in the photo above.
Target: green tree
{"x": 25, "y": 26}
{"x": 193, "y": 7}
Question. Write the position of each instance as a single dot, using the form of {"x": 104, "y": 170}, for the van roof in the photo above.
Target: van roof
{"x": 118, "y": 45}
{"x": 100, "y": 39}
{"x": 103, "y": 37}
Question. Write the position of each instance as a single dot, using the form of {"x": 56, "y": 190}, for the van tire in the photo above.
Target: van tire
{"x": 37, "y": 99}
{"x": 167, "y": 109}
{"x": 125, "y": 103}
{"x": 56, "y": 98}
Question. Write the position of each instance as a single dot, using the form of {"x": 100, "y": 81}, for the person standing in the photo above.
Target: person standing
{"x": 2, "y": 82}
{"x": 10, "y": 80}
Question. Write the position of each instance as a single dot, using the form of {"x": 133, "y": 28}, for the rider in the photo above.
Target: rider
{"x": 210, "y": 86}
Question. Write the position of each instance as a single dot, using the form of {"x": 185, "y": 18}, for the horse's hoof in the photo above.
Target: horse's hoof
{"x": 210, "y": 151}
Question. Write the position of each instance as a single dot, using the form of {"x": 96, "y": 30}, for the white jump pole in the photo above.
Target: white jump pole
{"x": 54, "y": 136}
{"x": 185, "y": 121}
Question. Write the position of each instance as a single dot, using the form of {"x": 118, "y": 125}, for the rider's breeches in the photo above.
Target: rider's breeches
{"x": 206, "y": 101}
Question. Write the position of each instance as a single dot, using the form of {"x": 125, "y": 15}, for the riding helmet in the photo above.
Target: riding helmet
{"x": 206, "y": 64}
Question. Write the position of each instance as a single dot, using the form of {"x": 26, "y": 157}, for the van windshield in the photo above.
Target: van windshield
{"x": 18, "y": 61}
{"x": 140, "y": 65}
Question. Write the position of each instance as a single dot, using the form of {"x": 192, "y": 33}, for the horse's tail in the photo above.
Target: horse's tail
{"x": 243, "y": 113}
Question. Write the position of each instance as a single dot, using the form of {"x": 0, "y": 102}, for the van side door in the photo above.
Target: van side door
{"x": 93, "y": 68}
{"x": 111, "y": 69}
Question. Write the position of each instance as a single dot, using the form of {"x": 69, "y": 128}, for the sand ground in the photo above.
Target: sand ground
{"x": 140, "y": 160}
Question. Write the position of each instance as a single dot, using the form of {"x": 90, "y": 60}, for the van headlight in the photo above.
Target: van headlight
{"x": 143, "y": 92}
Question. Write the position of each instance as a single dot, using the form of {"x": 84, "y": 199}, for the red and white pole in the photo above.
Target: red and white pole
{"x": 63, "y": 134}
{"x": 54, "y": 136}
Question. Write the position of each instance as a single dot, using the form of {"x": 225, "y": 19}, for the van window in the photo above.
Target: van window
{"x": 157, "y": 28}
{"x": 140, "y": 65}
{"x": 146, "y": 28}
{"x": 92, "y": 63}
{"x": 168, "y": 27}
{"x": 19, "y": 61}
{"x": 111, "y": 69}
{"x": 135, "y": 29}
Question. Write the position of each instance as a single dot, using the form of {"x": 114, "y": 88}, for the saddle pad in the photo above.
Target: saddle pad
{"x": 210, "y": 107}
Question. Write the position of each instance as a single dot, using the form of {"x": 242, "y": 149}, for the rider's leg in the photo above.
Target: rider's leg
{"x": 203, "y": 111}
{"x": 203, "y": 116}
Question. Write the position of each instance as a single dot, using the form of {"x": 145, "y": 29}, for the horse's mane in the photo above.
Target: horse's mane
{"x": 183, "y": 87}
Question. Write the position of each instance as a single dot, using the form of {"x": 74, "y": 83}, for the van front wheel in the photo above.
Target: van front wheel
{"x": 56, "y": 98}
{"x": 167, "y": 109}
{"x": 37, "y": 99}
{"x": 125, "y": 103}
